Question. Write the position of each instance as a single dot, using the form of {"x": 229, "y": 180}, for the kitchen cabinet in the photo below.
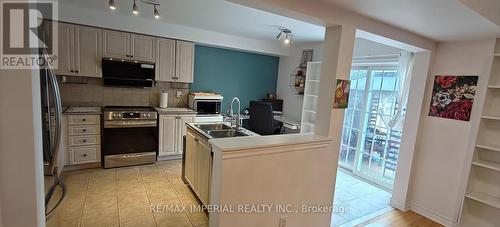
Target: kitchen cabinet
{"x": 128, "y": 46}
{"x": 172, "y": 129}
{"x": 83, "y": 138}
{"x": 165, "y": 60}
{"x": 198, "y": 165}
{"x": 184, "y": 61}
{"x": 174, "y": 61}
{"x": 79, "y": 51}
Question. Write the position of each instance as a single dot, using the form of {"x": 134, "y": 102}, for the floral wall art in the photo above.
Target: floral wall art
{"x": 341, "y": 96}
{"x": 453, "y": 96}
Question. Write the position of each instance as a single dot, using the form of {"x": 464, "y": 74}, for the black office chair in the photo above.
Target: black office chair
{"x": 262, "y": 119}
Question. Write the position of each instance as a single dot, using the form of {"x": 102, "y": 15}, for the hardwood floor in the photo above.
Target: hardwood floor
{"x": 400, "y": 219}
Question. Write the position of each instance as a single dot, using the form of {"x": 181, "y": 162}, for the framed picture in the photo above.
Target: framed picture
{"x": 453, "y": 96}
{"x": 307, "y": 56}
{"x": 341, "y": 96}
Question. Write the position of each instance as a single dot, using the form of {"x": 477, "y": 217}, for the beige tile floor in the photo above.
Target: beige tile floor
{"x": 123, "y": 197}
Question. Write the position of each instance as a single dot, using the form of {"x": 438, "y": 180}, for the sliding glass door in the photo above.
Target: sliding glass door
{"x": 369, "y": 147}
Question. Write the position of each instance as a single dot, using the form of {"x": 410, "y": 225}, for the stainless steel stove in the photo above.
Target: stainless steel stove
{"x": 130, "y": 136}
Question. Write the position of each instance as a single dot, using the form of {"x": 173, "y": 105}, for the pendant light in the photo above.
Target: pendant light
{"x": 156, "y": 13}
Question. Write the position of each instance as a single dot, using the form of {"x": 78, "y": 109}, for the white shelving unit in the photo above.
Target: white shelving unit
{"x": 481, "y": 204}
{"x": 311, "y": 93}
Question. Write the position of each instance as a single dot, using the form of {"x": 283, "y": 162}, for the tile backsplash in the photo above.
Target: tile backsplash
{"x": 94, "y": 93}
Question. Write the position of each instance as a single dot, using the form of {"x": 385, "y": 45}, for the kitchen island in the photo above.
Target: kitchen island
{"x": 262, "y": 180}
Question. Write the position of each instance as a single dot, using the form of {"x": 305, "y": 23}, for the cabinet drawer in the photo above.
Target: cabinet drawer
{"x": 84, "y": 130}
{"x": 85, "y": 154}
{"x": 84, "y": 140}
{"x": 84, "y": 120}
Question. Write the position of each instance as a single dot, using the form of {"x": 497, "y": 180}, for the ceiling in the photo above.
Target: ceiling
{"x": 216, "y": 15}
{"x": 440, "y": 20}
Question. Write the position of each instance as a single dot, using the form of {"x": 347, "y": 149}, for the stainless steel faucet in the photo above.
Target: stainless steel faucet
{"x": 238, "y": 124}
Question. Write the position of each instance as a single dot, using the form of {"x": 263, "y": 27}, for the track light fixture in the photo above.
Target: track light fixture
{"x": 135, "y": 10}
{"x": 286, "y": 34}
{"x": 112, "y": 4}
{"x": 135, "y": 7}
{"x": 156, "y": 13}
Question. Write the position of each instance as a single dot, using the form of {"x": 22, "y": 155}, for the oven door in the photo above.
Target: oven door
{"x": 129, "y": 143}
{"x": 207, "y": 107}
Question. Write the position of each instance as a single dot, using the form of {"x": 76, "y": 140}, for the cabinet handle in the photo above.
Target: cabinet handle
{"x": 84, "y": 130}
{"x": 77, "y": 71}
{"x": 71, "y": 71}
{"x": 196, "y": 139}
{"x": 84, "y": 141}
{"x": 83, "y": 119}
{"x": 84, "y": 155}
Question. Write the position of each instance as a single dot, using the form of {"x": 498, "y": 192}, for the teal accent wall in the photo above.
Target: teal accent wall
{"x": 247, "y": 76}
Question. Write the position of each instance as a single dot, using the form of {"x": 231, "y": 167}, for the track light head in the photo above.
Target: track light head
{"x": 156, "y": 13}
{"x": 279, "y": 34}
{"x": 112, "y": 5}
{"x": 135, "y": 9}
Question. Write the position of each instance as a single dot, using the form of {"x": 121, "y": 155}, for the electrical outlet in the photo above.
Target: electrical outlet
{"x": 282, "y": 222}
{"x": 179, "y": 94}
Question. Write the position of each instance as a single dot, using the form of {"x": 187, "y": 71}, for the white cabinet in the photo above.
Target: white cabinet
{"x": 184, "y": 61}
{"x": 126, "y": 45}
{"x": 174, "y": 61}
{"x": 115, "y": 44}
{"x": 84, "y": 138}
{"x": 165, "y": 60}
{"x": 79, "y": 51}
{"x": 172, "y": 129}
{"x": 198, "y": 165}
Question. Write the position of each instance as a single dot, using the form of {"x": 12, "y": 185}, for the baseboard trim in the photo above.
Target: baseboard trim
{"x": 82, "y": 166}
{"x": 170, "y": 157}
{"x": 432, "y": 215}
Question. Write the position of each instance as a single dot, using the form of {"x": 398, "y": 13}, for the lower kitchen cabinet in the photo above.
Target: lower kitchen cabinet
{"x": 172, "y": 129}
{"x": 83, "y": 138}
{"x": 198, "y": 165}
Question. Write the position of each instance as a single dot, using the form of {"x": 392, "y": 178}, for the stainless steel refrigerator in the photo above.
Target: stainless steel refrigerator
{"x": 51, "y": 126}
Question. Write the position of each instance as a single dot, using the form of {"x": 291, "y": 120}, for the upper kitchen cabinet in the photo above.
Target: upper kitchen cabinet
{"x": 88, "y": 51}
{"x": 143, "y": 47}
{"x": 126, "y": 45}
{"x": 165, "y": 60}
{"x": 66, "y": 37}
{"x": 184, "y": 61}
{"x": 79, "y": 51}
{"x": 115, "y": 44}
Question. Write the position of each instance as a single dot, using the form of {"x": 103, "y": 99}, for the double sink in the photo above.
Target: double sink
{"x": 221, "y": 130}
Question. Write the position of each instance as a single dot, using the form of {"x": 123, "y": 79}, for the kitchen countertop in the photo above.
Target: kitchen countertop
{"x": 201, "y": 132}
{"x": 170, "y": 110}
{"x": 82, "y": 110}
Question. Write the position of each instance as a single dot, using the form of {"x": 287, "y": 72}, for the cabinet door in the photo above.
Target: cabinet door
{"x": 88, "y": 51}
{"x": 184, "y": 64}
{"x": 65, "y": 60}
{"x": 143, "y": 48}
{"x": 165, "y": 60}
{"x": 191, "y": 147}
{"x": 204, "y": 171}
{"x": 181, "y": 131}
{"x": 115, "y": 44}
{"x": 167, "y": 136}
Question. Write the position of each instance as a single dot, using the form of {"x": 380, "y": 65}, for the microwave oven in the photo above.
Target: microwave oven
{"x": 206, "y": 103}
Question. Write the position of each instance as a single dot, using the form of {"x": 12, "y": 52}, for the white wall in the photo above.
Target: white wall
{"x": 292, "y": 103}
{"x": 443, "y": 144}
{"x": 21, "y": 172}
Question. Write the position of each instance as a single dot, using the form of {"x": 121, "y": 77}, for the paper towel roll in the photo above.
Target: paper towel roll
{"x": 163, "y": 100}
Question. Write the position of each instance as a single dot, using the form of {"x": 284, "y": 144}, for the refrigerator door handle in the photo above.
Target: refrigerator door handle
{"x": 58, "y": 117}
